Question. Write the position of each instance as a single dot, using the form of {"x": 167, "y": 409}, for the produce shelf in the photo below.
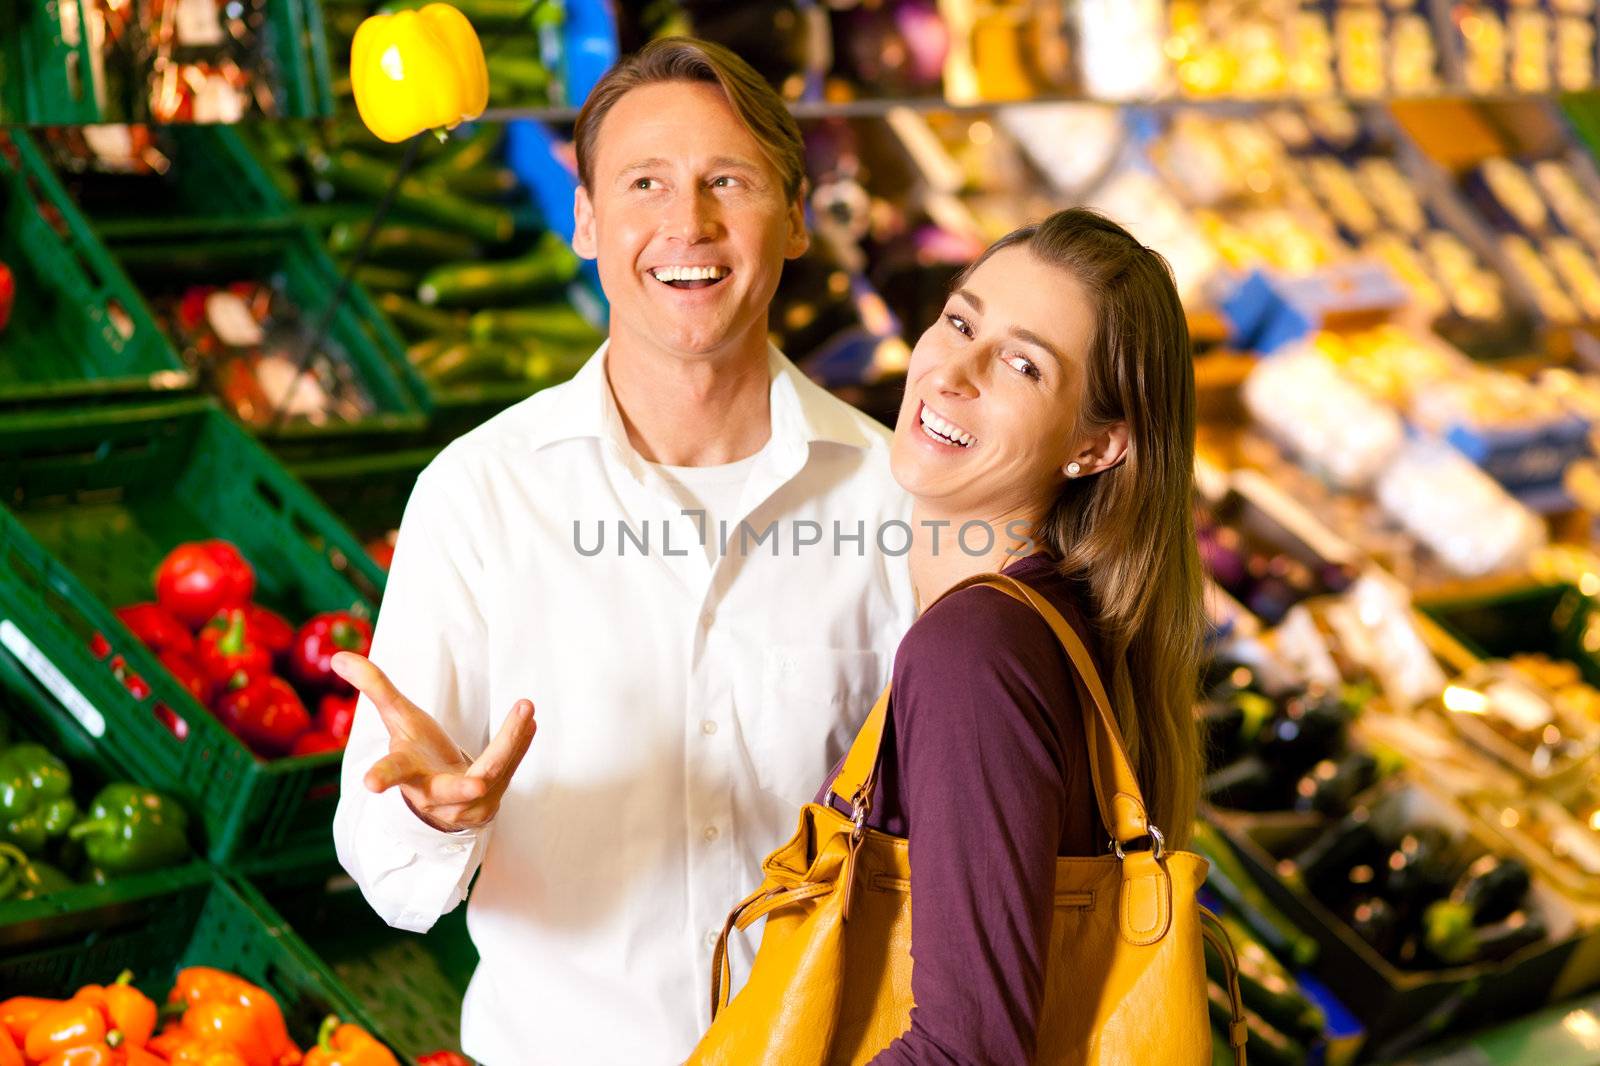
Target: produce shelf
{"x": 97, "y": 499}
{"x": 78, "y": 327}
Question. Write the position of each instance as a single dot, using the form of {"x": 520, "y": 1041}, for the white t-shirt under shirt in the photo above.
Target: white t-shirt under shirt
{"x": 715, "y": 490}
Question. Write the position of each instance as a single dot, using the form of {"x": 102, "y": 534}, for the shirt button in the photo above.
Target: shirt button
{"x": 711, "y": 833}
{"x": 455, "y": 849}
{"x": 712, "y": 937}
{"x": 706, "y": 618}
{"x": 708, "y": 727}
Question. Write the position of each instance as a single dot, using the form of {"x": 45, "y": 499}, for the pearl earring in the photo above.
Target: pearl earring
{"x": 1073, "y": 469}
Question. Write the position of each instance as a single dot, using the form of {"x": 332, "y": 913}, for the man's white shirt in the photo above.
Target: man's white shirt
{"x": 688, "y": 703}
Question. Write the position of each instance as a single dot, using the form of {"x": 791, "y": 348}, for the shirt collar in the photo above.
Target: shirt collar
{"x": 803, "y": 412}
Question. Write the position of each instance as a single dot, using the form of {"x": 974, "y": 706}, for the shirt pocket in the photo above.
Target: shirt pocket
{"x": 813, "y": 699}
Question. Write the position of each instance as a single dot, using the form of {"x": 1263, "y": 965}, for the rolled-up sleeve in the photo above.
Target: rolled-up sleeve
{"x": 429, "y": 640}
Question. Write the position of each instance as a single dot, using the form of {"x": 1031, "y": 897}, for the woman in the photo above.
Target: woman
{"x": 1052, "y": 404}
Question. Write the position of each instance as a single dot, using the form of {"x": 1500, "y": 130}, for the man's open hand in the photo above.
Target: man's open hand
{"x": 444, "y": 787}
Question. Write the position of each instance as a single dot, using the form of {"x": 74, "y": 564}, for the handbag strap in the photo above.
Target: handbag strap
{"x": 1217, "y": 936}
{"x": 1116, "y": 787}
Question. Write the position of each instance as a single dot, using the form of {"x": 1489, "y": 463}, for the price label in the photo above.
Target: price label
{"x": 199, "y": 23}
{"x": 29, "y": 655}
{"x": 230, "y": 317}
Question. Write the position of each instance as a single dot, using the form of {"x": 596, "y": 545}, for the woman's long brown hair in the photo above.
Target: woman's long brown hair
{"x": 1128, "y": 532}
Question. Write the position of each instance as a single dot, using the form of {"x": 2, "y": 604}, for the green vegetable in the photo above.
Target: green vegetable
{"x": 548, "y": 267}
{"x": 384, "y": 279}
{"x": 1267, "y": 987}
{"x": 129, "y": 829}
{"x": 24, "y": 879}
{"x": 480, "y": 361}
{"x": 1233, "y": 883}
{"x": 552, "y": 322}
{"x": 1266, "y": 1046}
{"x": 486, "y": 183}
{"x": 352, "y": 172}
{"x": 483, "y": 14}
{"x": 463, "y": 155}
{"x": 518, "y": 72}
{"x": 417, "y": 321}
{"x": 401, "y": 244}
{"x": 36, "y": 804}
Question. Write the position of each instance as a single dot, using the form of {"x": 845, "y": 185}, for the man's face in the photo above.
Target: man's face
{"x": 688, "y": 222}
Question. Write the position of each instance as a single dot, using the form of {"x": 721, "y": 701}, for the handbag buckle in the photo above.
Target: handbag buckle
{"x": 1158, "y": 844}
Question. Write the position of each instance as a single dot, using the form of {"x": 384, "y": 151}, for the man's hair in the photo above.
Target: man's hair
{"x": 688, "y": 59}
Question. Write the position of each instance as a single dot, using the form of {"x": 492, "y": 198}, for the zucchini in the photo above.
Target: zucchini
{"x": 467, "y": 361}
{"x": 1233, "y": 883}
{"x": 518, "y": 72}
{"x": 1267, "y": 987}
{"x": 485, "y": 183}
{"x": 463, "y": 154}
{"x": 352, "y": 173}
{"x": 484, "y": 14}
{"x": 424, "y": 352}
{"x": 555, "y": 322}
{"x": 376, "y": 278}
{"x": 402, "y": 244}
{"x": 417, "y": 321}
{"x": 548, "y": 267}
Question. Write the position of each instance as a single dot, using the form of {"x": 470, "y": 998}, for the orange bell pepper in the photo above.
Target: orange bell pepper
{"x": 129, "y": 1011}
{"x": 201, "y": 984}
{"x": 347, "y": 1045}
{"x": 179, "y": 1047}
{"x": 229, "y": 1025}
{"x": 10, "y": 1054}
{"x": 18, "y": 1014}
{"x": 97, "y": 1053}
{"x": 138, "y": 1056}
{"x": 64, "y": 1027}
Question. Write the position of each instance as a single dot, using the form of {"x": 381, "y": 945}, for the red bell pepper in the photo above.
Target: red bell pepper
{"x": 266, "y": 714}
{"x": 319, "y": 640}
{"x": 382, "y": 551}
{"x": 188, "y": 673}
{"x": 198, "y": 579}
{"x": 269, "y": 628}
{"x": 99, "y": 646}
{"x": 336, "y": 712}
{"x": 315, "y": 742}
{"x": 444, "y": 1058}
{"x": 228, "y": 652}
{"x": 8, "y": 294}
{"x": 156, "y": 627}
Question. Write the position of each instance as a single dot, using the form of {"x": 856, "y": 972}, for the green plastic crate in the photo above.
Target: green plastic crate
{"x": 208, "y": 924}
{"x": 23, "y": 921}
{"x": 214, "y": 184}
{"x": 49, "y": 63}
{"x": 368, "y": 493}
{"x": 411, "y": 985}
{"x": 293, "y": 259}
{"x": 78, "y": 328}
{"x": 97, "y": 498}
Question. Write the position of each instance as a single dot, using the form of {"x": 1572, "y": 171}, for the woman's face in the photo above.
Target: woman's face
{"x": 993, "y": 390}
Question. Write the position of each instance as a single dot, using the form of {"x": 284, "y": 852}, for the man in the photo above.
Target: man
{"x": 689, "y": 700}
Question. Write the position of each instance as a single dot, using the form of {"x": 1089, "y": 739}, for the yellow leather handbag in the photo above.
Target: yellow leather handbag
{"x": 1125, "y": 981}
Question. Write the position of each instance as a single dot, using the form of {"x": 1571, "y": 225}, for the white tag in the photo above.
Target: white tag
{"x": 199, "y": 23}
{"x": 216, "y": 101}
{"x": 51, "y": 678}
{"x": 232, "y": 321}
{"x": 111, "y": 145}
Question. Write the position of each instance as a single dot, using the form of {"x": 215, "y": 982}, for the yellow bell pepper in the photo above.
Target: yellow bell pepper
{"x": 417, "y": 70}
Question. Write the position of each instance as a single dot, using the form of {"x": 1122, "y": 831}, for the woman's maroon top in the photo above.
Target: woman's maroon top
{"x": 985, "y": 770}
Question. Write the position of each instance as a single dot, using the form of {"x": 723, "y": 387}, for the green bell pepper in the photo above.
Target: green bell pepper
{"x": 24, "y": 879}
{"x": 129, "y": 829}
{"x": 36, "y": 804}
